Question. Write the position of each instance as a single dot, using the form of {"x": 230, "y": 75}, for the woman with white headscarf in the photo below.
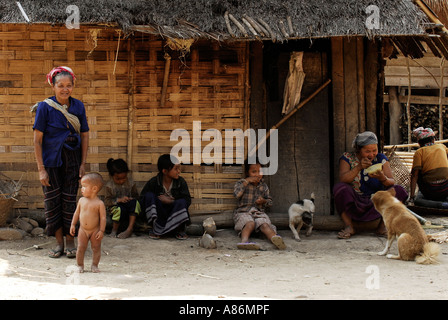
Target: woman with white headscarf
{"x": 352, "y": 194}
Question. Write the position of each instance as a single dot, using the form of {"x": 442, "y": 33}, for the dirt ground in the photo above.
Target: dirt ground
{"x": 318, "y": 267}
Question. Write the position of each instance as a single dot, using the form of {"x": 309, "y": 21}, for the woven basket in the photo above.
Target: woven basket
{"x": 400, "y": 172}
{"x": 9, "y": 189}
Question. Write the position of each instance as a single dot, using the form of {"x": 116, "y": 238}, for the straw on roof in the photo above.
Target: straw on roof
{"x": 222, "y": 19}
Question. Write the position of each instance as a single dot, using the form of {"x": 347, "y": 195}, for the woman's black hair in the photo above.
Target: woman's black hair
{"x": 166, "y": 161}
{"x": 117, "y": 166}
{"x": 424, "y": 141}
{"x": 62, "y": 73}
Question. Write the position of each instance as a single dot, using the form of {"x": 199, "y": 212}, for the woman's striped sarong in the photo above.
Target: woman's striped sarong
{"x": 60, "y": 196}
{"x": 437, "y": 191}
{"x": 165, "y": 218}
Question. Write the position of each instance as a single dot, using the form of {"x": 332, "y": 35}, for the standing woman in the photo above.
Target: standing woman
{"x": 61, "y": 140}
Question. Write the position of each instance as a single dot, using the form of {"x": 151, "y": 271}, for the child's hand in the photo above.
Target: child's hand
{"x": 99, "y": 235}
{"x": 253, "y": 180}
{"x": 124, "y": 199}
{"x": 260, "y": 201}
{"x": 72, "y": 230}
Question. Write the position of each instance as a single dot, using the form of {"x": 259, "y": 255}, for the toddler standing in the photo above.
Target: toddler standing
{"x": 121, "y": 198}
{"x": 91, "y": 214}
{"x": 253, "y": 198}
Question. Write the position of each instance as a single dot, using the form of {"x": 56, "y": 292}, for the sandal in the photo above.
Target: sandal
{"x": 248, "y": 246}
{"x": 278, "y": 242}
{"x": 70, "y": 253}
{"x": 55, "y": 253}
{"x": 181, "y": 236}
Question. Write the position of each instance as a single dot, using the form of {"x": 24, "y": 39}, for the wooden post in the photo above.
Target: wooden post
{"x": 394, "y": 115}
{"x": 361, "y": 87}
{"x": 166, "y": 76}
{"x": 337, "y": 76}
{"x": 408, "y": 105}
{"x": 441, "y": 96}
{"x": 350, "y": 91}
{"x": 257, "y": 120}
{"x": 131, "y": 103}
{"x": 371, "y": 84}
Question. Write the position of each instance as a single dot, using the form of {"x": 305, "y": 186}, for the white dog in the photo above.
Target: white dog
{"x": 301, "y": 213}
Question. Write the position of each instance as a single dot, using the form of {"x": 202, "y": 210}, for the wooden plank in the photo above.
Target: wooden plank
{"x": 361, "y": 84}
{"x": 371, "y": 67}
{"x": 418, "y": 99}
{"x": 337, "y": 75}
{"x": 350, "y": 91}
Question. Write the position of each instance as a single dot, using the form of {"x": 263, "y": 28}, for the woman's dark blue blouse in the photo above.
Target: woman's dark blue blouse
{"x": 56, "y": 129}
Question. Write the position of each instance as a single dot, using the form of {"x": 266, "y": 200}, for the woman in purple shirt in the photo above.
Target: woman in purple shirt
{"x": 61, "y": 140}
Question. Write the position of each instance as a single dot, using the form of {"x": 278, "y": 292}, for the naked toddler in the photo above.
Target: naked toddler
{"x": 91, "y": 214}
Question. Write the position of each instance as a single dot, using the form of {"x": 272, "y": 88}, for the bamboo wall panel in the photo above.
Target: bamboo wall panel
{"x": 122, "y": 95}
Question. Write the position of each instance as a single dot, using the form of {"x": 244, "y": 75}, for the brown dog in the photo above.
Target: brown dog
{"x": 412, "y": 240}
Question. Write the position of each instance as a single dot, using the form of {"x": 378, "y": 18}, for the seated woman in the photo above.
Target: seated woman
{"x": 430, "y": 167}
{"x": 352, "y": 194}
{"x": 166, "y": 199}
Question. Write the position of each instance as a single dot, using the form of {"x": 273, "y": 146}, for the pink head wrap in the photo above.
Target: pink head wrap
{"x": 422, "y": 133}
{"x": 57, "y": 70}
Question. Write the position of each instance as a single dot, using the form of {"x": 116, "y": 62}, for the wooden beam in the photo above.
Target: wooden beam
{"x": 430, "y": 14}
{"x": 371, "y": 68}
{"x": 350, "y": 91}
{"x": 281, "y": 221}
{"x": 166, "y": 76}
{"x": 337, "y": 76}
{"x": 131, "y": 104}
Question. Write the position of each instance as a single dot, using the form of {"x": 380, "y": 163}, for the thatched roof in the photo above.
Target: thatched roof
{"x": 402, "y": 21}
{"x": 258, "y": 19}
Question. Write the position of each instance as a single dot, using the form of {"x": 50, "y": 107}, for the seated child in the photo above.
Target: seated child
{"x": 91, "y": 214}
{"x": 253, "y": 198}
{"x": 166, "y": 199}
{"x": 121, "y": 198}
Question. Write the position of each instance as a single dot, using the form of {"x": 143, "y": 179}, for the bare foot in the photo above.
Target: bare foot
{"x": 125, "y": 234}
{"x": 80, "y": 269}
{"x": 95, "y": 269}
{"x": 346, "y": 233}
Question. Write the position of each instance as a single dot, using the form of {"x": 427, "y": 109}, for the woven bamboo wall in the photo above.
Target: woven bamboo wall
{"x": 121, "y": 90}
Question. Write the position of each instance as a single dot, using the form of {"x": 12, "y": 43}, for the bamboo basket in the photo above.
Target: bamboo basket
{"x": 400, "y": 171}
{"x": 9, "y": 189}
